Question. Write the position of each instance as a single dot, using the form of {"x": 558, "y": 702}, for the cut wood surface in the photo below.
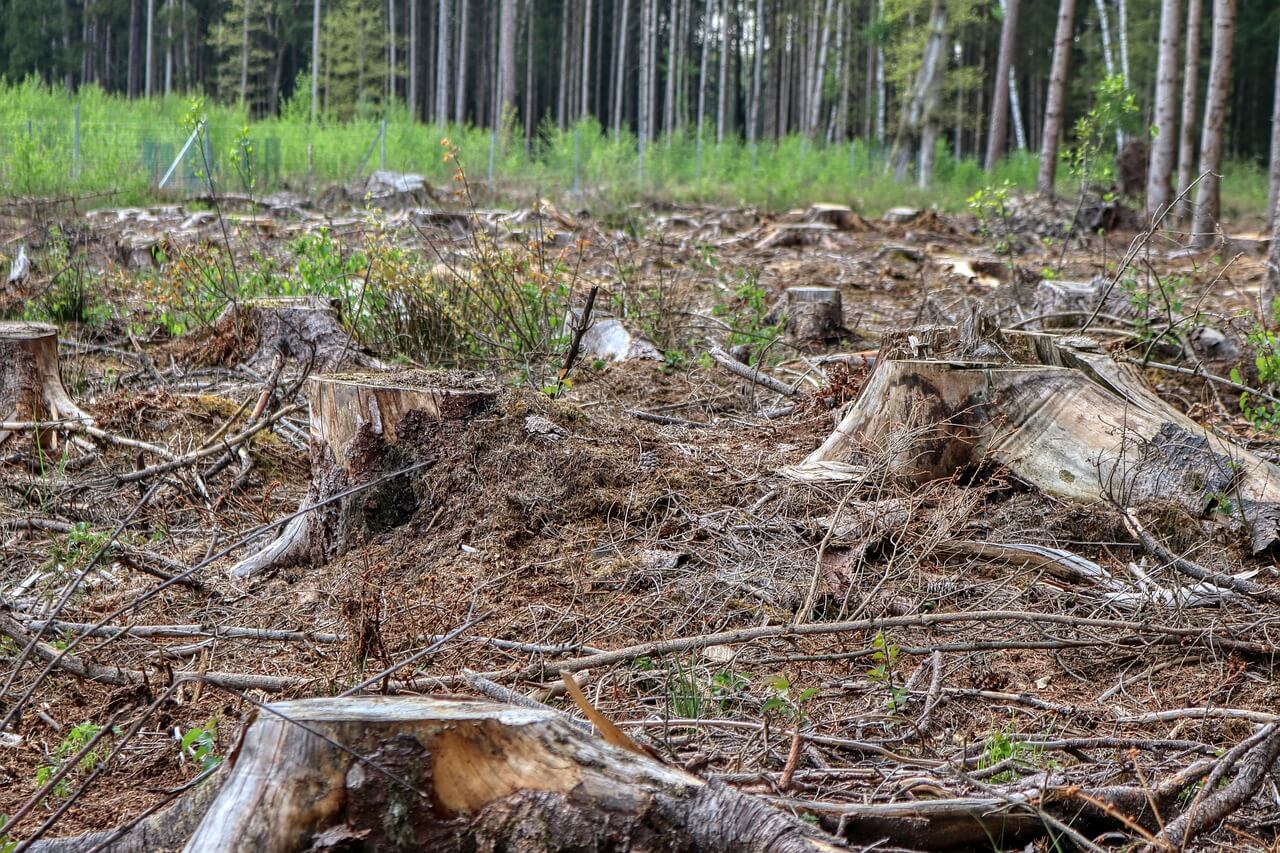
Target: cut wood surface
{"x": 364, "y": 427}
{"x": 431, "y": 774}
{"x": 1058, "y": 413}
{"x": 31, "y": 386}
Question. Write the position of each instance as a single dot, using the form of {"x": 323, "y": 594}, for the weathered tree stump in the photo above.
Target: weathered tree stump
{"x": 304, "y": 329}
{"x": 814, "y": 314}
{"x": 1057, "y": 412}
{"x": 364, "y": 428}
{"x": 30, "y": 384}
{"x": 427, "y": 774}
{"x": 838, "y": 216}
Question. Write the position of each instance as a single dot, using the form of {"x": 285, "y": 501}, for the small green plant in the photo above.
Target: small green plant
{"x": 885, "y": 657}
{"x": 72, "y": 550}
{"x": 729, "y": 688}
{"x": 1115, "y": 109}
{"x": 77, "y": 739}
{"x": 1002, "y": 746}
{"x": 787, "y": 701}
{"x": 991, "y": 207}
{"x": 200, "y": 744}
{"x": 7, "y": 844}
{"x": 1265, "y": 343}
{"x": 685, "y": 697}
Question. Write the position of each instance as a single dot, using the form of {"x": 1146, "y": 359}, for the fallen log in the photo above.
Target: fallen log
{"x": 431, "y": 774}
{"x": 363, "y": 427}
{"x": 1058, "y": 413}
{"x": 31, "y": 388}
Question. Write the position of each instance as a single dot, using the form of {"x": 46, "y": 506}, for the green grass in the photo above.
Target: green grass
{"x": 125, "y": 147}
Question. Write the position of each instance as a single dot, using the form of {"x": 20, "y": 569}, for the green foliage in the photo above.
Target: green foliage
{"x": 200, "y": 744}
{"x": 73, "y": 550}
{"x": 1115, "y": 109}
{"x": 71, "y": 296}
{"x": 77, "y": 739}
{"x": 1002, "y": 746}
{"x": 885, "y": 658}
{"x": 991, "y": 207}
{"x": 1264, "y": 415}
{"x": 787, "y": 700}
{"x": 1158, "y": 303}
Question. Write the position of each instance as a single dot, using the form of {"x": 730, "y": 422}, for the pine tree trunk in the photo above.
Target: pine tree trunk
{"x": 391, "y": 51}
{"x": 134, "y": 76}
{"x": 1273, "y": 195}
{"x": 442, "y": 61}
{"x": 530, "y": 112}
{"x": 585, "y": 77}
{"x": 460, "y": 92}
{"x": 1190, "y": 98}
{"x": 819, "y": 70}
{"x": 151, "y": 15}
{"x": 1055, "y": 103}
{"x": 315, "y": 58}
{"x": 1271, "y": 282}
{"x": 168, "y": 52}
{"x": 1217, "y": 92}
{"x": 998, "y": 132}
{"x": 1160, "y": 173}
{"x": 244, "y": 52}
{"x": 722, "y": 91}
{"x": 702, "y": 68}
{"x": 620, "y": 69}
{"x": 413, "y": 59}
{"x": 882, "y": 96}
{"x": 669, "y": 82}
{"x": 507, "y": 55}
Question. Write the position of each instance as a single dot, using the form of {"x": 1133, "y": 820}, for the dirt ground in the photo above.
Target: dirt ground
{"x": 647, "y": 501}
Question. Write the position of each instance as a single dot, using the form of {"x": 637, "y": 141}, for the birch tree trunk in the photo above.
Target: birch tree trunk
{"x": 244, "y": 51}
{"x": 391, "y": 51}
{"x": 702, "y": 68}
{"x": 168, "y": 51}
{"x": 442, "y": 61}
{"x": 722, "y": 90}
{"x": 998, "y": 131}
{"x": 1273, "y": 195}
{"x": 1122, "y": 36}
{"x": 620, "y": 70}
{"x": 881, "y": 92}
{"x": 819, "y": 70}
{"x": 1190, "y": 97}
{"x": 507, "y": 57}
{"x": 1271, "y": 282}
{"x": 1160, "y": 172}
{"x": 413, "y": 59}
{"x": 1055, "y": 102}
{"x": 1208, "y": 191}
{"x": 1104, "y": 27}
{"x": 669, "y": 90}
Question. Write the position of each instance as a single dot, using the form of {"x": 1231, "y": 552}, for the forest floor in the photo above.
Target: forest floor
{"x": 651, "y": 501}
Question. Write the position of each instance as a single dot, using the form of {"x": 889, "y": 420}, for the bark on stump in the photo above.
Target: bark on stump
{"x": 30, "y": 384}
{"x": 814, "y": 314}
{"x": 365, "y": 428}
{"x": 426, "y": 774}
{"x": 304, "y": 329}
{"x": 1057, "y": 412}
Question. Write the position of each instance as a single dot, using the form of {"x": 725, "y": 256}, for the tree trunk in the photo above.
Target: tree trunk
{"x": 530, "y": 110}
{"x": 1122, "y": 36}
{"x": 819, "y": 71}
{"x": 722, "y": 90}
{"x": 1273, "y": 194}
{"x": 1056, "y": 413}
{"x": 134, "y": 75}
{"x": 391, "y": 52}
{"x": 363, "y": 429}
{"x": 1190, "y": 98}
{"x": 244, "y": 53}
{"x": 30, "y": 384}
{"x": 460, "y": 95}
{"x": 434, "y": 774}
{"x": 702, "y": 68}
{"x": 1271, "y": 281}
{"x": 669, "y": 81}
{"x": 150, "y": 55}
{"x": 620, "y": 70}
{"x": 882, "y": 96}
{"x": 1160, "y": 172}
{"x": 584, "y": 105}
{"x": 998, "y": 132}
{"x": 1208, "y": 191}
{"x": 413, "y": 59}
{"x": 507, "y": 57}
{"x": 1055, "y": 103}
{"x": 315, "y": 59}
{"x": 442, "y": 61}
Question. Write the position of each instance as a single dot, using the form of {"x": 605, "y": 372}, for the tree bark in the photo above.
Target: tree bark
{"x": 302, "y": 329}
{"x": 998, "y": 132}
{"x": 1160, "y": 172}
{"x": 814, "y": 314}
{"x": 430, "y": 774}
{"x": 584, "y": 105}
{"x": 442, "y": 62}
{"x": 819, "y": 71}
{"x": 1208, "y": 191}
{"x": 364, "y": 429}
{"x": 460, "y": 95}
{"x": 315, "y": 59}
{"x": 31, "y": 387}
{"x": 1055, "y": 103}
{"x": 134, "y": 74}
{"x": 1273, "y": 194}
{"x": 244, "y": 53}
{"x": 722, "y": 90}
{"x": 1190, "y": 99}
{"x": 620, "y": 69}
{"x": 412, "y": 94}
{"x": 1271, "y": 281}
{"x": 150, "y": 54}
{"x": 507, "y": 57}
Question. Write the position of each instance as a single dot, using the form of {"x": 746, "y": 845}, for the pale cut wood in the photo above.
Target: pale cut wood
{"x": 31, "y": 388}
{"x": 364, "y": 427}
{"x": 1058, "y": 413}
{"x": 432, "y": 774}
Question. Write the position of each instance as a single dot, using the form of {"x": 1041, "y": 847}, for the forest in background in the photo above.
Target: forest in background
{"x": 911, "y": 81}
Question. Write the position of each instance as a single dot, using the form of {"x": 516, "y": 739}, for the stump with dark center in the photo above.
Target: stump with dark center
{"x": 31, "y": 387}
{"x": 364, "y": 429}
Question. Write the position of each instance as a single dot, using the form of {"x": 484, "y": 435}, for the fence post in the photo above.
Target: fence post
{"x": 75, "y": 141}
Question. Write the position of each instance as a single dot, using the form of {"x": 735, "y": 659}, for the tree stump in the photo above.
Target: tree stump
{"x": 1056, "y": 412}
{"x": 304, "y": 329}
{"x": 416, "y": 773}
{"x": 364, "y": 428}
{"x": 814, "y": 314}
{"x": 30, "y": 384}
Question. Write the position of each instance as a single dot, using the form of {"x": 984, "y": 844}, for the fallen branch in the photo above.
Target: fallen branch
{"x": 749, "y": 373}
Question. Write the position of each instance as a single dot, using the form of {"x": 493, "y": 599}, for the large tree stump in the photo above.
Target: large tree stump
{"x": 1057, "y": 412}
{"x": 304, "y": 329}
{"x": 814, "y": 314}
{"x": 365, "y": 428}
{"x": 30, "y": 384}
{"x": 412, "y": 774}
